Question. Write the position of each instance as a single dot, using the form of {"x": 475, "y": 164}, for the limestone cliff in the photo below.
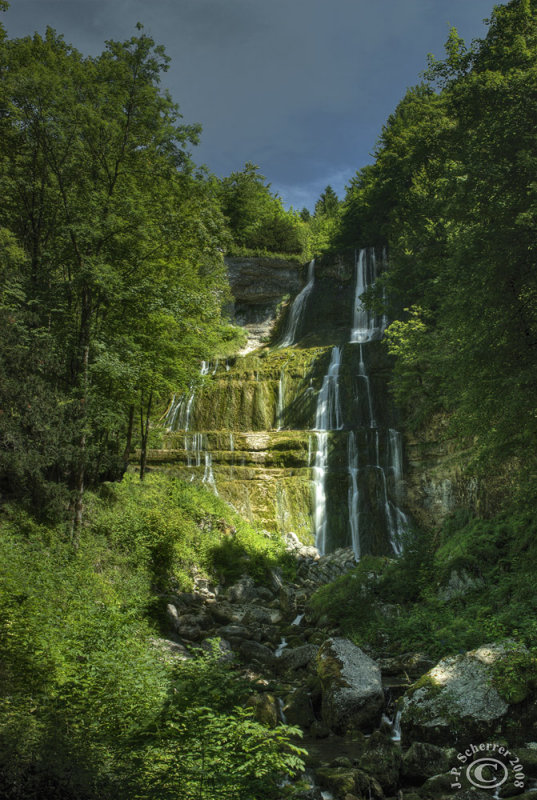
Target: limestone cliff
{"x": 254, "y": 428}
{"x": 251, "y": 427}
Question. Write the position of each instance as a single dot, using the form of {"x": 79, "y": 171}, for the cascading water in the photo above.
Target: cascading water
{"x": 366, "y": 329}
{"x": 298, "y": 308}
{"x": 364, "y": 324}
{"x": 353, "y": 450}
{"x": 328, "y": 417}
{"x": 178, "y": 417}
{"x": 281, "y": 400}
{"x": 354, "y": 496}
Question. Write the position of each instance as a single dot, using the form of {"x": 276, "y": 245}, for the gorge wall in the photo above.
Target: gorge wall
{"x": 298, "y": 431}
{"x": 300, "y": 436}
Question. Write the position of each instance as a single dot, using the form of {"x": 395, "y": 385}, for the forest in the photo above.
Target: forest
{"x": 113, "y": 290}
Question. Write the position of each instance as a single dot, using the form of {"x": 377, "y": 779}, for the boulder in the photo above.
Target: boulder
{"x": 298, "y": 657}
{"x": 298, "y": 709}
{"x": 455, "y": 702}
{"x": 187, "y": 626}
{"x": 382, "y": 759}
{"x": 423, "y": 760}
{"x": 345, "y": 781}
{"x": 243, "y": 591}
{"x": 224, "y": 613}
{"x": 253, "y": 651}
{"x": 266, "y": 709}
{"x": 261, "y": 616}
{"x": 238, "y": 632}
{"x": 352, "y": 695}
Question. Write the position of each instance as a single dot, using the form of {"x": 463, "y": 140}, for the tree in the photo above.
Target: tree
{"x": 121, "y": 235}
{"x": 328, "y": 204}
{"x": 256, "y": 217}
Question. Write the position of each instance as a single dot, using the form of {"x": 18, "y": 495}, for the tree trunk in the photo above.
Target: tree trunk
{"x": 130, "y": 430}
{"x": 144, "y": 425}
{"x": 80, "y": 472}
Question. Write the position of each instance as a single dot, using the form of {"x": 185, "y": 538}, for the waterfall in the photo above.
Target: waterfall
{"x": 328, "y": 414}
{"x": 178, "y": 416}
{"x": 280, "y": 403}
{"x": 319, "y": 491}
{"x": 354, "y": 496}
{"x": 327, "y": 417}
{"x": 365, "y": 378}
{"x": 298, "y": 308}
{"x": 367, "y": 328}
{"x": 364, "y": 324}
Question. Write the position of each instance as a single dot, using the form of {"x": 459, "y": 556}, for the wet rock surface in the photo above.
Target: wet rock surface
{"x": 352, "y": 694}
{"x": 306, "y": 675}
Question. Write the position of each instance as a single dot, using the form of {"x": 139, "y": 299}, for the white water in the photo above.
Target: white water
{"x": 280, "y": 406}
{"x": 396, "y": 727}
{"x": 328, "y": 414}
{"x": 281, "y": 647}
{"x": 298, "y": 619}
{"x": 354, "y": 496}
{"x": 283, "y": 718}
{"x": 365, "y": 378}
{"x": 328, "y": 417}
{"x": 366, "y": 328}
{"x": 364, "y": 324}
{"x": 298, "y": 308}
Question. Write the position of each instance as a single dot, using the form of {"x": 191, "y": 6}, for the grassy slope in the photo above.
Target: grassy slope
{"x": 401, "y": 606}
{"x": 88, "y": 706}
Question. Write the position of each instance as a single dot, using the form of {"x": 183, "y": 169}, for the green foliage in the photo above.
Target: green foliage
{"x": 452, "y": 195}
{"x": 90, "y": 707}
{"x": 111, "y": 279}
{"x": 173, "y": 527}
{"x": 401, "y": 606}
{"x": 256, "y": 218}
{"x": 515, "y": 673}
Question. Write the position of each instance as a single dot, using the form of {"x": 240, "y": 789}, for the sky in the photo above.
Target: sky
{"x": 301, "y": 88}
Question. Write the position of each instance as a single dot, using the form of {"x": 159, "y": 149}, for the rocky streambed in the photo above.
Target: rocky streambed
{"x": 374, "y": 727}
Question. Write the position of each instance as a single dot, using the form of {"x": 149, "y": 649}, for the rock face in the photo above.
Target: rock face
{"x": 249, "y": 427}
{"x": 258, "y": 286}
{"x": 352, "y": 695}
{"x": 455, "y": 703}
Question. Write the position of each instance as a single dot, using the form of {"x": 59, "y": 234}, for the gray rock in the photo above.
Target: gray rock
{"x": 298, "y": 657}
{"x": 382, "y": 759}
{"x": 352, "y": 695}
{"x": 187, "y": 626}
{"x": 225, "y": 613}
{"x": 455, "y": 701}
{"x": 265, "y": 594}
{"x": 423, "y": 760}
{"x": 171, "y": 651}
{"x": 253, "y": 651}
{"x": 458, "y": 585}
{"x": 238, "y": 632}
{"x": 298, "y": 709}
{"x": 261, "y": 616}
{"x": 243, "y": 591}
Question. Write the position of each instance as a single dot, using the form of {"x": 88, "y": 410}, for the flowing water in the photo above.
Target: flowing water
{"x": 327, "y": 417}
{"x": 354, "y": 452}
{"x": 298, "y": 309}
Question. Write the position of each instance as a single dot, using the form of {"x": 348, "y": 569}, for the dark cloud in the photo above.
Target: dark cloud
{"x": 301, "y": 87}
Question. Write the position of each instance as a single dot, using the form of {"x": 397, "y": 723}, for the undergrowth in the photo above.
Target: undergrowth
{"x": 470, "y": 584}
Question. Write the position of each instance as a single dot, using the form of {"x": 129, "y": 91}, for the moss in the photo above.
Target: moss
{"x": 427, "y": 682}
